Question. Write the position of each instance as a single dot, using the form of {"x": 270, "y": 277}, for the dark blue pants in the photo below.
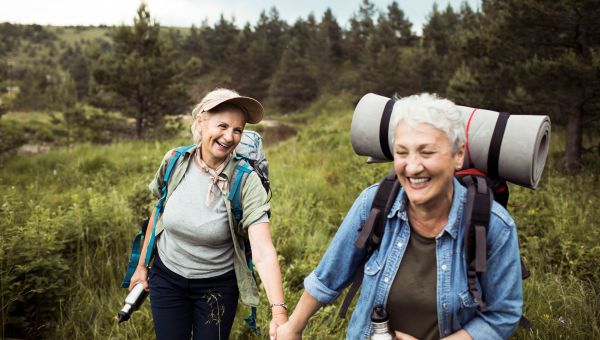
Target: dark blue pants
{"x": 181, "y": 307}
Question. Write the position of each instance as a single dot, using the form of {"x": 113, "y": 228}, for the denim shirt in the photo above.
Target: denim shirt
{"x": 501, "y": 284}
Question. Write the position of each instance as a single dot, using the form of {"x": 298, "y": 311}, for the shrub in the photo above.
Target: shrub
{"x": 11, "y": 137}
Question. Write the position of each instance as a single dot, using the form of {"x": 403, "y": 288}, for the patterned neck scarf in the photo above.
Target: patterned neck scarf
{"x": 218, "y": 181}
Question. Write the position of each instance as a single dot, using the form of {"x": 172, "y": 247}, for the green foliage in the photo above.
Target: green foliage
{"x": 533, "y": 56}
{"x": 138, "y": 76}
{"x": 293, "y": 84}
{"x": 12, "y": 137}
{"x": 463, "y": 88}
{"x": 494, "y": 58}
{"x": 44, "y": 88}
{"x": 89, "y": 124}
{"x": 78, "y": 65}
{"x": 65, "y": 226}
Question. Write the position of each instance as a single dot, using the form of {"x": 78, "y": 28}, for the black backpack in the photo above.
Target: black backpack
{"x": 481, "y": 192}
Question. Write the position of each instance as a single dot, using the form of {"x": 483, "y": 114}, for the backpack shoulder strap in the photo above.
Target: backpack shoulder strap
{"x": 175, "y": 153}
{"x": 238, "y": 179}
{"x": 160, "y": 205}
{"x": 479, "y": 205}
{"x": 371, "y": 232}
{"x": 478, "y": 215}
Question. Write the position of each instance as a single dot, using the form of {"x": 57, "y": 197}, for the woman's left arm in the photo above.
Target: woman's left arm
{"x": 264, "y": 257}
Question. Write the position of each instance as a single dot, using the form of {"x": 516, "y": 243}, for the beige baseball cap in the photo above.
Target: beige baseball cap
{"x": 251, "y": 107}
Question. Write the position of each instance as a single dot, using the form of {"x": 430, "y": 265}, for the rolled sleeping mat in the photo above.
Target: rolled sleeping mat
{"x": 511, "y": 147}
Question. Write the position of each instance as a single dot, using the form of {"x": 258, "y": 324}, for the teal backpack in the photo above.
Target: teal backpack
{"x": 250, "y": 157}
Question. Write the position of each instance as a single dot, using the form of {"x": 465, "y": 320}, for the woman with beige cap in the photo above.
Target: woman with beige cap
{"x": 200, "y": 268}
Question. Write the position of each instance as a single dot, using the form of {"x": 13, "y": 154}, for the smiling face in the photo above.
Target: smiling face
{"x": 425, "y": 164}
{"x": 221, "y": 132}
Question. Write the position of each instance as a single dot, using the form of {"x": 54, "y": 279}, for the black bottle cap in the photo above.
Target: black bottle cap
{"x": 379, "y": 314}
{"x": 123, "y": 316}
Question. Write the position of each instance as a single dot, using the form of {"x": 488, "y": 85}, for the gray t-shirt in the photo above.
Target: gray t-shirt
{"x": 196, "y": 242}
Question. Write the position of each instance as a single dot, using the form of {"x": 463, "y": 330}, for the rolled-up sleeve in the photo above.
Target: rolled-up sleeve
{"x": 157, "y": 182}
{"x": 341, "y": 261}
{"x": 255, "y": 201}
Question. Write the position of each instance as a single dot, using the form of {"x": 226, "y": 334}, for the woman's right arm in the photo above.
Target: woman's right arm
{"x": 307, "y": 306}
{"x": 141, "y": 272}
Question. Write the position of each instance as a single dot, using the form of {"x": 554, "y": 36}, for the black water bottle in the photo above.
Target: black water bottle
{"x": 133, "y": 301}
{"x": 379, "y": 321}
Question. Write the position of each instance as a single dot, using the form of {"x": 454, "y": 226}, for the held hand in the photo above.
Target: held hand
{"x": 287, "y": 332}
{"x": 139, "y": 276}
{"x": 276, "y": 321}
{"x": 404, "y": 336}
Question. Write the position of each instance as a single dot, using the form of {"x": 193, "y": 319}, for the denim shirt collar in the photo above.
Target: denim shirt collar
{"x": 456, "y": 209}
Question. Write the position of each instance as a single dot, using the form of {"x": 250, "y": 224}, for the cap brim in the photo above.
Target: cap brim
{"x": 252, "y": 108}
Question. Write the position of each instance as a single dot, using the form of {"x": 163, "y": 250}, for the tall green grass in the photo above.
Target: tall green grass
{"x": 68, "y": 217}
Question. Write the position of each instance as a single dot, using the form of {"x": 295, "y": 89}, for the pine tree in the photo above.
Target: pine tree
{"x": 550, "y": 50}
{"x": 264, "y": 52}
{"x": 138, "y": 76}
{"x": 400, "y": 25}
{"x": 330, "y": 38}
{"x": 362, "y": 27}
{"x": 441, "y": 59}
{"x": 293, "y": 84}
{"x": 77, "y": 64}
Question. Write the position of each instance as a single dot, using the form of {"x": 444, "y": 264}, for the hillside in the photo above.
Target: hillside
{"x": 27, "y": 44}
{"x": 68, "y": 217}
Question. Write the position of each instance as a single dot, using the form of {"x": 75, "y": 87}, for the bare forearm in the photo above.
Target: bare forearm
{"x": 267, "y": 265}
{"x": 265, "y": 260}
{"x": 307, "y": 306}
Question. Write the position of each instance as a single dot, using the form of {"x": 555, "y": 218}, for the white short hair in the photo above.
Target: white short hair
{"x": 432, "y": 110}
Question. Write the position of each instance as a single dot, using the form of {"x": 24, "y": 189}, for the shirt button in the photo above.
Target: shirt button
{"x": 444, "y": 267}
{"x": 399, "y": 244}
{"x": 445, "y": 306}
{"x": 447, "y": 331}
{"x": 386, "y": 280}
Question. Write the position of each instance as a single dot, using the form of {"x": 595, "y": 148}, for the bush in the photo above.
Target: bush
{"x": 11, "y": 137}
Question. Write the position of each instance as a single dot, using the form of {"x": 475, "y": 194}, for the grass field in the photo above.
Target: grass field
{"x": 68, "y": 217}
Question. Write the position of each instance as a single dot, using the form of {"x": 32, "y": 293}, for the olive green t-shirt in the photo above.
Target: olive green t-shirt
{"x": 412, "y": 301}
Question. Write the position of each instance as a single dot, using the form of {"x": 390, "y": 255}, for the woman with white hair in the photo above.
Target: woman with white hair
{"x": 419, "y": 274}
{"x": 200, "y": 268}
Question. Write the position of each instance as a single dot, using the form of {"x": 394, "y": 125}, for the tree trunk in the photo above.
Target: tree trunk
{"x": 139, "y": 125}
{"x": 574, "y": 139}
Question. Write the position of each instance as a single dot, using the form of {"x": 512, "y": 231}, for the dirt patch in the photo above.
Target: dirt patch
{"x": 31, "y": 149}
{"x": 270, "y": 123}
{"x": 274, "y": 132}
